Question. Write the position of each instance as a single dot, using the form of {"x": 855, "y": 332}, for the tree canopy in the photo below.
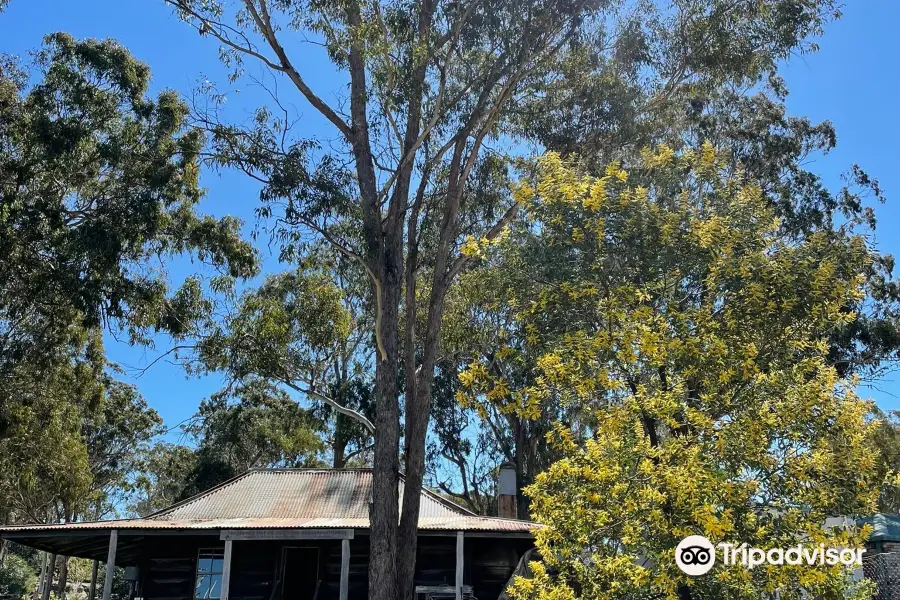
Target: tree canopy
{"x": 98, "y": 187}
{"x": 693, "y": 341}
{"x": 442, "y": 97}
{"x": 580, "y": 236}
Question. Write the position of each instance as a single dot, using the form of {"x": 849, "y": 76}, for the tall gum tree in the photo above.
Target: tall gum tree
{"x": 99, "y": 186}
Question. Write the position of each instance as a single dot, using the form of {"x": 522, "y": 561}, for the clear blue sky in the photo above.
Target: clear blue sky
{"x": 853, "y": 81}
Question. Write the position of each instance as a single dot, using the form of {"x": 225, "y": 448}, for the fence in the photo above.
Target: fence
{"x": 884, "y": 570}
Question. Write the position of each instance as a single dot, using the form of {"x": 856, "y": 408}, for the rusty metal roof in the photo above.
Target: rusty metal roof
{"x": 296, "y": 494}
{"x": 291, "y": 499}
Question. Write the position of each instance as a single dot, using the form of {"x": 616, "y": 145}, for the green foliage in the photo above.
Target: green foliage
{"x": 99, "y": 182}
{"x": 760, "y": 139}
{"x": 299, "y": 331}
{"x": 886, "y": 446}
{"x": 17, "y": 577}
{"x": 163, "y": 477}
{"x": 603, "y": 111}
{"x": 43, "y": 457}
{"x": 594, "y": 315}
{"x": 692, "y": 339}
{"x": 99, "y": 185}
{"x": 633, "y": 80}
{"x": 64, "y": 456}
{"x": 121, "y": 588}
{"x": 433, "y": 85}
{"x": 264, "y": 428}
{"x": 252, "y": 425}
{"x": 117, "y": 438}
{"x": 289, "y": 326}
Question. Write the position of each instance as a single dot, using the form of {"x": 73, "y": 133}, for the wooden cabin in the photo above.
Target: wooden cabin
{"x": 287, "y": 534}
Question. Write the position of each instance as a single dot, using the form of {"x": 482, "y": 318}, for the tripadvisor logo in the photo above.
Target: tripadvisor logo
{"x": 696, "y": 555}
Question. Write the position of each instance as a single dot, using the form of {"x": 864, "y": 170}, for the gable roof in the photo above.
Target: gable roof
{"x": 297, "y": 494}
{"x": 291, "y": 499}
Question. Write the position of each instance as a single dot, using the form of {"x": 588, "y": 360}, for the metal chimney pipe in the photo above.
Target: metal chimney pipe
{"x": 506, "y": 501}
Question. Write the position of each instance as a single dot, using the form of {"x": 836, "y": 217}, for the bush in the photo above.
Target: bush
{"x": 17, "y": 578}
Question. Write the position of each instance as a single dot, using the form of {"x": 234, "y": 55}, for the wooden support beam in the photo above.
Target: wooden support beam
{"x": 48, "y": 583}
{"x": 226, "y": 569}
{"x": 345, "y": 568}
{"x": 89, "y": 547}
{"x": 92, "y": 591}
{"x": 286, "y": 534}
{"x": 39, "y": 593}
{"x": 110, "y": 564}
{"x": 460, "y": 563}
{"x": 68, "y": 548}
{"x": 63, "y": 576}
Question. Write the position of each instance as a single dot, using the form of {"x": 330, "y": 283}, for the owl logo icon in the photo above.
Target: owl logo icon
{"x": 695, "y": 555}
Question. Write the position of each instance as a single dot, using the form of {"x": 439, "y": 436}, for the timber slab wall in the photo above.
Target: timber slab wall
{"x": 169, "y": 563}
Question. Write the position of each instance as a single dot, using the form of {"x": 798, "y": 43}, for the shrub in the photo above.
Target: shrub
{"x": 17, "y": 578}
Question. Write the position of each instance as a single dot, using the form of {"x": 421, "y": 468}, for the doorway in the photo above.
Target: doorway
{"x": 301, "y": 574}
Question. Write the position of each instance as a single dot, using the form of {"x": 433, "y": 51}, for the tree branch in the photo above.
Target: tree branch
{"x": 353, "y": 414}
{"x": 264, "y": 24}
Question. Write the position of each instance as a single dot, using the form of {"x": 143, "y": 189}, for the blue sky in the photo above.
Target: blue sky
{"x": 853, "y": 81}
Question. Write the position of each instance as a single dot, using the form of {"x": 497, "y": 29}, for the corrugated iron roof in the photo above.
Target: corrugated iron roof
{"x": 293, "y": 499}
{"x": 296, "y": 494}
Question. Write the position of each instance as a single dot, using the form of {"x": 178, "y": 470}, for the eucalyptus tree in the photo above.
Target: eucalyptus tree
{"x": 431, "y": 97}
{"x": 117, "y": 436}
{"x": 73, "y": 444}
{"x": 162, "y": 479}
{"x": 98, "y": 188}
{"x": 263, "y": 428}
{"x": 251, "y": 424}
{"x": 97, "y": 182}
{"x": 302, "y": 332}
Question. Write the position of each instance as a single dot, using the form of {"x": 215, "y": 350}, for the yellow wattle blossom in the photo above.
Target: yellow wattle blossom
{"x": 685, "y": 345}
{"x": 470, "y": 247}
{"x": 661, "y": 157}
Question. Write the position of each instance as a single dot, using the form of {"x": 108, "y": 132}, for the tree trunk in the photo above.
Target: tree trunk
{"x": 418, "y": 405}
{"x": 339, "y": 445}
{"x": 417, "y": 427}
{"x": 385, "y": 510}
{"x": 418, "y": 412}
{"x": 383, "y": 238}
{"x": 3, "y": 544}
{"x": 63, "y": 577}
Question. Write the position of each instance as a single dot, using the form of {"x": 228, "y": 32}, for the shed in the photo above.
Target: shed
{"x": 287, "y": 534}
